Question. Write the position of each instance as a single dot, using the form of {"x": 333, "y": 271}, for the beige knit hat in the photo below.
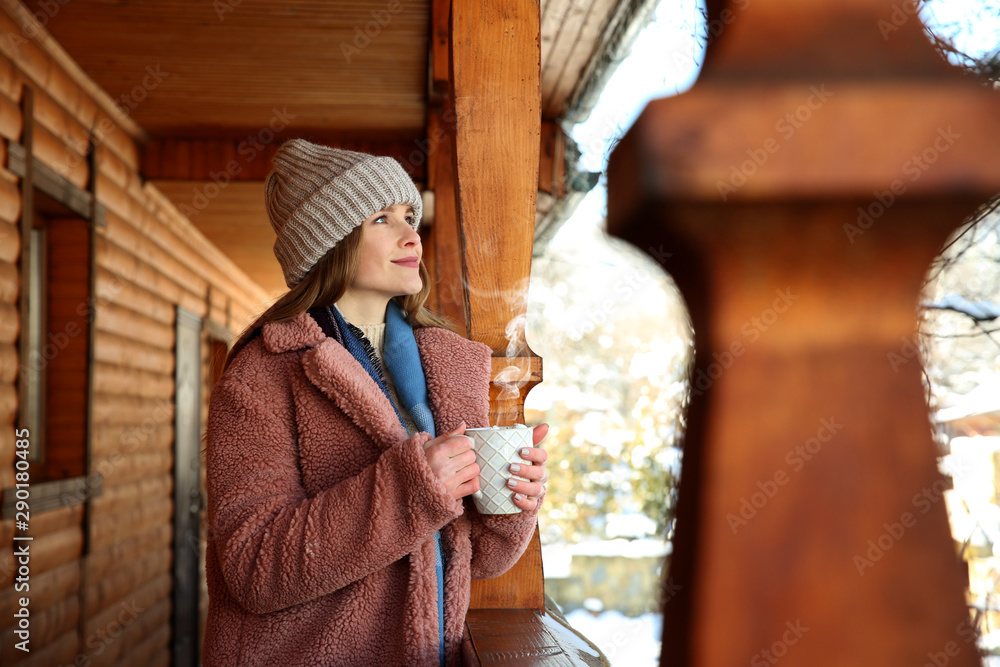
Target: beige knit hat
{"x": 315, "y": 195}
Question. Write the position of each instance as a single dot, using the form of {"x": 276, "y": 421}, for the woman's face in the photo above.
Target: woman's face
{"x": 390, "y": 255}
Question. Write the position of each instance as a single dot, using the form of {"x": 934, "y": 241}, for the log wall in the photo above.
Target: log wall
{"x": 100, "y": 585}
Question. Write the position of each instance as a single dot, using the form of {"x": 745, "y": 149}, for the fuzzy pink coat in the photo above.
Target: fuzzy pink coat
{"x": 322, "y": 511}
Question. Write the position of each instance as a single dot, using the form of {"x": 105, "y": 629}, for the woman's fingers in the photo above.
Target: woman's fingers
{"x": 532, "y": 489}
{"x": 534, "y": 454}
{"x": 532, "y": 469}
{"x": 525, "y": 503}
{"x": 538, "y": 433}
{"x": 442, "y": 449}
{"x": 532, "y": 472}
{"x": 463, "y": 462}
{"x": 464, "y": 481}
{"x": 461, "y": 477}
{"x": 456, "y": 444}
{"x": 466, "y": 488}
{"x": 458, "y": 430}
{"x": 453, "y": 461}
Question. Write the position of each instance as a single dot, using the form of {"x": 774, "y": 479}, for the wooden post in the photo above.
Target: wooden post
{"x": 446, "y": 242}
{"x": 801, "y": 189}
{"x": 495, "y": 88}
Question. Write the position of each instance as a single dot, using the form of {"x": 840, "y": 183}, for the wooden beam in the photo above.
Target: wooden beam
{"x": 249, "y": 158}
{"x": 552, "y": 165}
{"x": 446, "y": 240}
{"x": 440, "y": 48}
{"x": 495, "y": 88}
{"x": 497, "y": 155}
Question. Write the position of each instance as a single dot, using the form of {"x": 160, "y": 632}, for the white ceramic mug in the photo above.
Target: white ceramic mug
{"x": 496, "y": 448}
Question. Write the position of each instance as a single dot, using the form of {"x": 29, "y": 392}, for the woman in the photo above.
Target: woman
{"x": 338, "y": 475}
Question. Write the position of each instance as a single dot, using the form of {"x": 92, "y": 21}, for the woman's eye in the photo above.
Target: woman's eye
{"x": 409, "y": 220}
{"x": 381, "y": 218}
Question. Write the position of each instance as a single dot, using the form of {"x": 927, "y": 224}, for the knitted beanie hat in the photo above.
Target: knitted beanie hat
{"x": 315, "y": 195}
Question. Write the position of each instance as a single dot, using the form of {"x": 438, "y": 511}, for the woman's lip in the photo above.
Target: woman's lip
{"x": 412, "y": 263}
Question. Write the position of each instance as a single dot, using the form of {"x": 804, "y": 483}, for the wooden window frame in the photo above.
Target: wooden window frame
{"x": 48, "y": 495}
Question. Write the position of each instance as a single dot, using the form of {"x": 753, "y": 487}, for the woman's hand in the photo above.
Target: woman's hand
{"x": 453, "y": 461}
{"x": 528, "y": 494}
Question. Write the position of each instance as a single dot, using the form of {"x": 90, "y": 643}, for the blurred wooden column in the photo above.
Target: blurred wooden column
{"x": 802, "y": 188}
{"x": 495, "y": 70}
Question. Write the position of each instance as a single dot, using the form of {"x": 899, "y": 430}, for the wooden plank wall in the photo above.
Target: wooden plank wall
{"x": 113, "y": 604}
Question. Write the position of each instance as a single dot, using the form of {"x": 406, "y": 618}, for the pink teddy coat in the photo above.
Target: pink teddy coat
{"x": 322, "y": 511}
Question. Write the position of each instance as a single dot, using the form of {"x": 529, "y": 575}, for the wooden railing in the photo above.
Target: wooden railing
{"x": 526, "y": 638}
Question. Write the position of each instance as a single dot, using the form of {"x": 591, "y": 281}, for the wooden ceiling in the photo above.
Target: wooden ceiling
{"x": 227, "y": 64}
{"x": 338, "y": 72}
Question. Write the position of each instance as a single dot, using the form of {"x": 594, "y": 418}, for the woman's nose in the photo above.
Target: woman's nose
{"x": 410, "y": 236}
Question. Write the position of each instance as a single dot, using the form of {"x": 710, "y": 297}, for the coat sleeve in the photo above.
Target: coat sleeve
{"x": 499, "y": 540}
{"x": 276, "y": 546}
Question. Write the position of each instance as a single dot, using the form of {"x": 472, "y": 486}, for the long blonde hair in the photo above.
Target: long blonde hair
{"x": 326, "y": 282}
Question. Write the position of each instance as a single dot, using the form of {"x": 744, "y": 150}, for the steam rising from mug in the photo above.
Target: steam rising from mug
{"x": 518, "y": 370}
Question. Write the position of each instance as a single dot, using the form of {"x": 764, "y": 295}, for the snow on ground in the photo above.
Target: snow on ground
{"x": 626, "y": 642}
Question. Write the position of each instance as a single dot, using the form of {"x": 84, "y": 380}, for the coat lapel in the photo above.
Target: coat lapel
{"x": 332, "y": 369}
{"x": 338, "y": 374}
{"x": 458, "y": 378}
{"x": 457, "y": 372}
